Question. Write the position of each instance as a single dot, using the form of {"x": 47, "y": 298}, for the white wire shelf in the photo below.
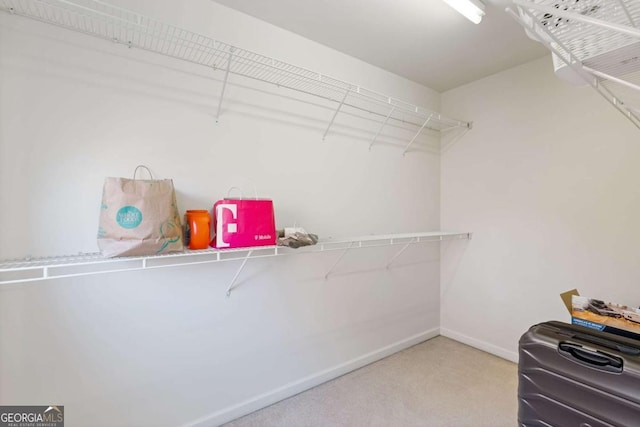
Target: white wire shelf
{"x": 32, "y": 270}
{"x": 119, "y": 25}
{"x": 599, "y": 40}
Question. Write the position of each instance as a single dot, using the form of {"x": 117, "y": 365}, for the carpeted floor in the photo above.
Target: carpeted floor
{"x": 436, "y": 383}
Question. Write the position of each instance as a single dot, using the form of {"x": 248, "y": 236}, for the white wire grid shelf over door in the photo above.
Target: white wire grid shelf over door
{"x": 598, "y": 40}
{"x": 119, "y": 25}
{"x": 31, "y": 270}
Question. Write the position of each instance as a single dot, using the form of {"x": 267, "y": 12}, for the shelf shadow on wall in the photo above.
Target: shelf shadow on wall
{"x": 381, "y": 268}
{"x": 452, "y": 253}
{"x": 383, "y": 264}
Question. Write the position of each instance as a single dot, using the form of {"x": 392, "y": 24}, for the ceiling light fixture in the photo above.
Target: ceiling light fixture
{"x": 473, "y": 10}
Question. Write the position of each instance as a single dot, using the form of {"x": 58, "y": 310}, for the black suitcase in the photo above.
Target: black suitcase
{"x": 572, "y": 376}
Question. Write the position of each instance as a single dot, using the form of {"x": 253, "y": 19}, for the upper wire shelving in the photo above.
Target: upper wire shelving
{"x": 598, "y": 40}
{"x": 33, "y": 270}
{"x": 132, "y": 29}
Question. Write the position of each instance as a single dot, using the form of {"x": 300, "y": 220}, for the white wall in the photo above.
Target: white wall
{"x": 547, "y": 181}
{"x": 166, "y": 347}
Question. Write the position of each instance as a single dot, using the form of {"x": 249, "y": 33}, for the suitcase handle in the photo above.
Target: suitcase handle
{"x": 594, "y": 359}
{"x": 609, "y": 344}
{"x": 570, "y": 331}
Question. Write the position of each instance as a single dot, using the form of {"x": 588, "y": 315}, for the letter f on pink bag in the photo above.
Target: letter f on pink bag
{"x": 232, "y": 227}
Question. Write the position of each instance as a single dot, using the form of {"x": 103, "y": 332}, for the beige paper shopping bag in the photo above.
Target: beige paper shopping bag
{"x": 139, "y": 217}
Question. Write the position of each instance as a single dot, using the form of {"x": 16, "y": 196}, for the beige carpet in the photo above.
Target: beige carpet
{"x": 436, "y": 383}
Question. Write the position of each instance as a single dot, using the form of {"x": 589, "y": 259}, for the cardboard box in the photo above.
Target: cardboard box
{"x": 604, "y": 316}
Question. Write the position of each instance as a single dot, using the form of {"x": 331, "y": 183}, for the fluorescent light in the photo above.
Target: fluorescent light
{"x": 473, "y": 10}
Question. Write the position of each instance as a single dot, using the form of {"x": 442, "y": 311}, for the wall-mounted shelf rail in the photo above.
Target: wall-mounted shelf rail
{"x": 596, "y": 41}
{"x": 131, "y": 29}
{"x": 32, "y": 270}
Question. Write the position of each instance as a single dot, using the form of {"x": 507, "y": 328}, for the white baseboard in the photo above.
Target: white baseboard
{"x": 480, "y": 345}
{"x": 293, "y": 388}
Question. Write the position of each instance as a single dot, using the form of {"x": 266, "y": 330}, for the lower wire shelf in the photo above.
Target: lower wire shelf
{"x": 38, "y": 269}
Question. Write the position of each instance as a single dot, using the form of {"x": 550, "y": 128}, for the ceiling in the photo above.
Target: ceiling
{"x": 423, "y": 40}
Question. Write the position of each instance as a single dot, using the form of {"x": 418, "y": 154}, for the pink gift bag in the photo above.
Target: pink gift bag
{"x": 241, "y": 223}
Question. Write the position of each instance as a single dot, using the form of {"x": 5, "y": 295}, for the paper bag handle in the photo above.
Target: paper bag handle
{"x": 255, "y": 192}
{"x": 144, "y": 167}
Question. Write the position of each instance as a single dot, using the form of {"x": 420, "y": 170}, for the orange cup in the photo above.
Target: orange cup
{"x": 199, "y": 226}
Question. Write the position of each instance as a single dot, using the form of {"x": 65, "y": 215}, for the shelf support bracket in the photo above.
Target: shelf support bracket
{"x": 417, "y": 134}
{"x": 454, "y": 140}
{"x": 381, "y": 127}
{"x": 233, "y": 281}
{"x": 404, "y": 248}
{"x": 335, "y": 114}
{"x": 326, "y": 276}
{"x": 224, "y": 83}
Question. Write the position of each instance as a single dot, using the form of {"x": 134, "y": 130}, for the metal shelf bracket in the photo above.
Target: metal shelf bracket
{"x": 335, "y": 114}
{"x": 454, "y": 139}
{"x": 326, "y": 276}
{"x": 224, "y": 83}
{"x": 417, "y": 134}
{"x": 233, "y": 281}
{"x": 404, "y": 248}
{"x": 381, "y": 127}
